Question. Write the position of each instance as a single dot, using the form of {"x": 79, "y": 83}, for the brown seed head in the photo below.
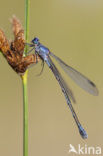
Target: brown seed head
{"x": 13, "y": 51}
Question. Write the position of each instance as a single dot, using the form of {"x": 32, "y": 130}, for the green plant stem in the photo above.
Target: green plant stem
{"x": 24, "y": 84}
{"x": 25, "y": 115}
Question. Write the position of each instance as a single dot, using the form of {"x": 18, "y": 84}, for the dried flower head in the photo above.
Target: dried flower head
{"x": 13, "y": 51}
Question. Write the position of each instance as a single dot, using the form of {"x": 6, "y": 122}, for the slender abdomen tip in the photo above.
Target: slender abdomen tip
{"x": 82, "y": 132}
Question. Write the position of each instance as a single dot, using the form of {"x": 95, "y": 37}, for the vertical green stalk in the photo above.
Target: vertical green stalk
{"x": 25, "y": 114}
{"x": 24, "y": 84}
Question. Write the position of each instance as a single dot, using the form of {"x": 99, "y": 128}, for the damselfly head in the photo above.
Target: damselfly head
{"x": 35, "y": 40}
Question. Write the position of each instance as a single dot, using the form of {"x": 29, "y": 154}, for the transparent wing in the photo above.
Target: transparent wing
{"x": 64, "y": 90}
{"x": 80, "y": 79}
{"x": 67, "y": 88}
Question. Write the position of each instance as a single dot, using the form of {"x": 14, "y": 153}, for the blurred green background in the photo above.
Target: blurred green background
{"x": 73, "y": 30}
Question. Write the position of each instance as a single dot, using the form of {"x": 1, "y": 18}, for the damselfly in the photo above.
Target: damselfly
{"x": 44, "y": 53}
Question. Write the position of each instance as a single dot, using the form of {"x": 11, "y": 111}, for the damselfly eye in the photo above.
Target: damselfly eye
{"x": 35, "y": 40}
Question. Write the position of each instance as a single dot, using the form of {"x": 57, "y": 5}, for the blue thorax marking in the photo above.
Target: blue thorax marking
{"x": 42, "y": 51}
